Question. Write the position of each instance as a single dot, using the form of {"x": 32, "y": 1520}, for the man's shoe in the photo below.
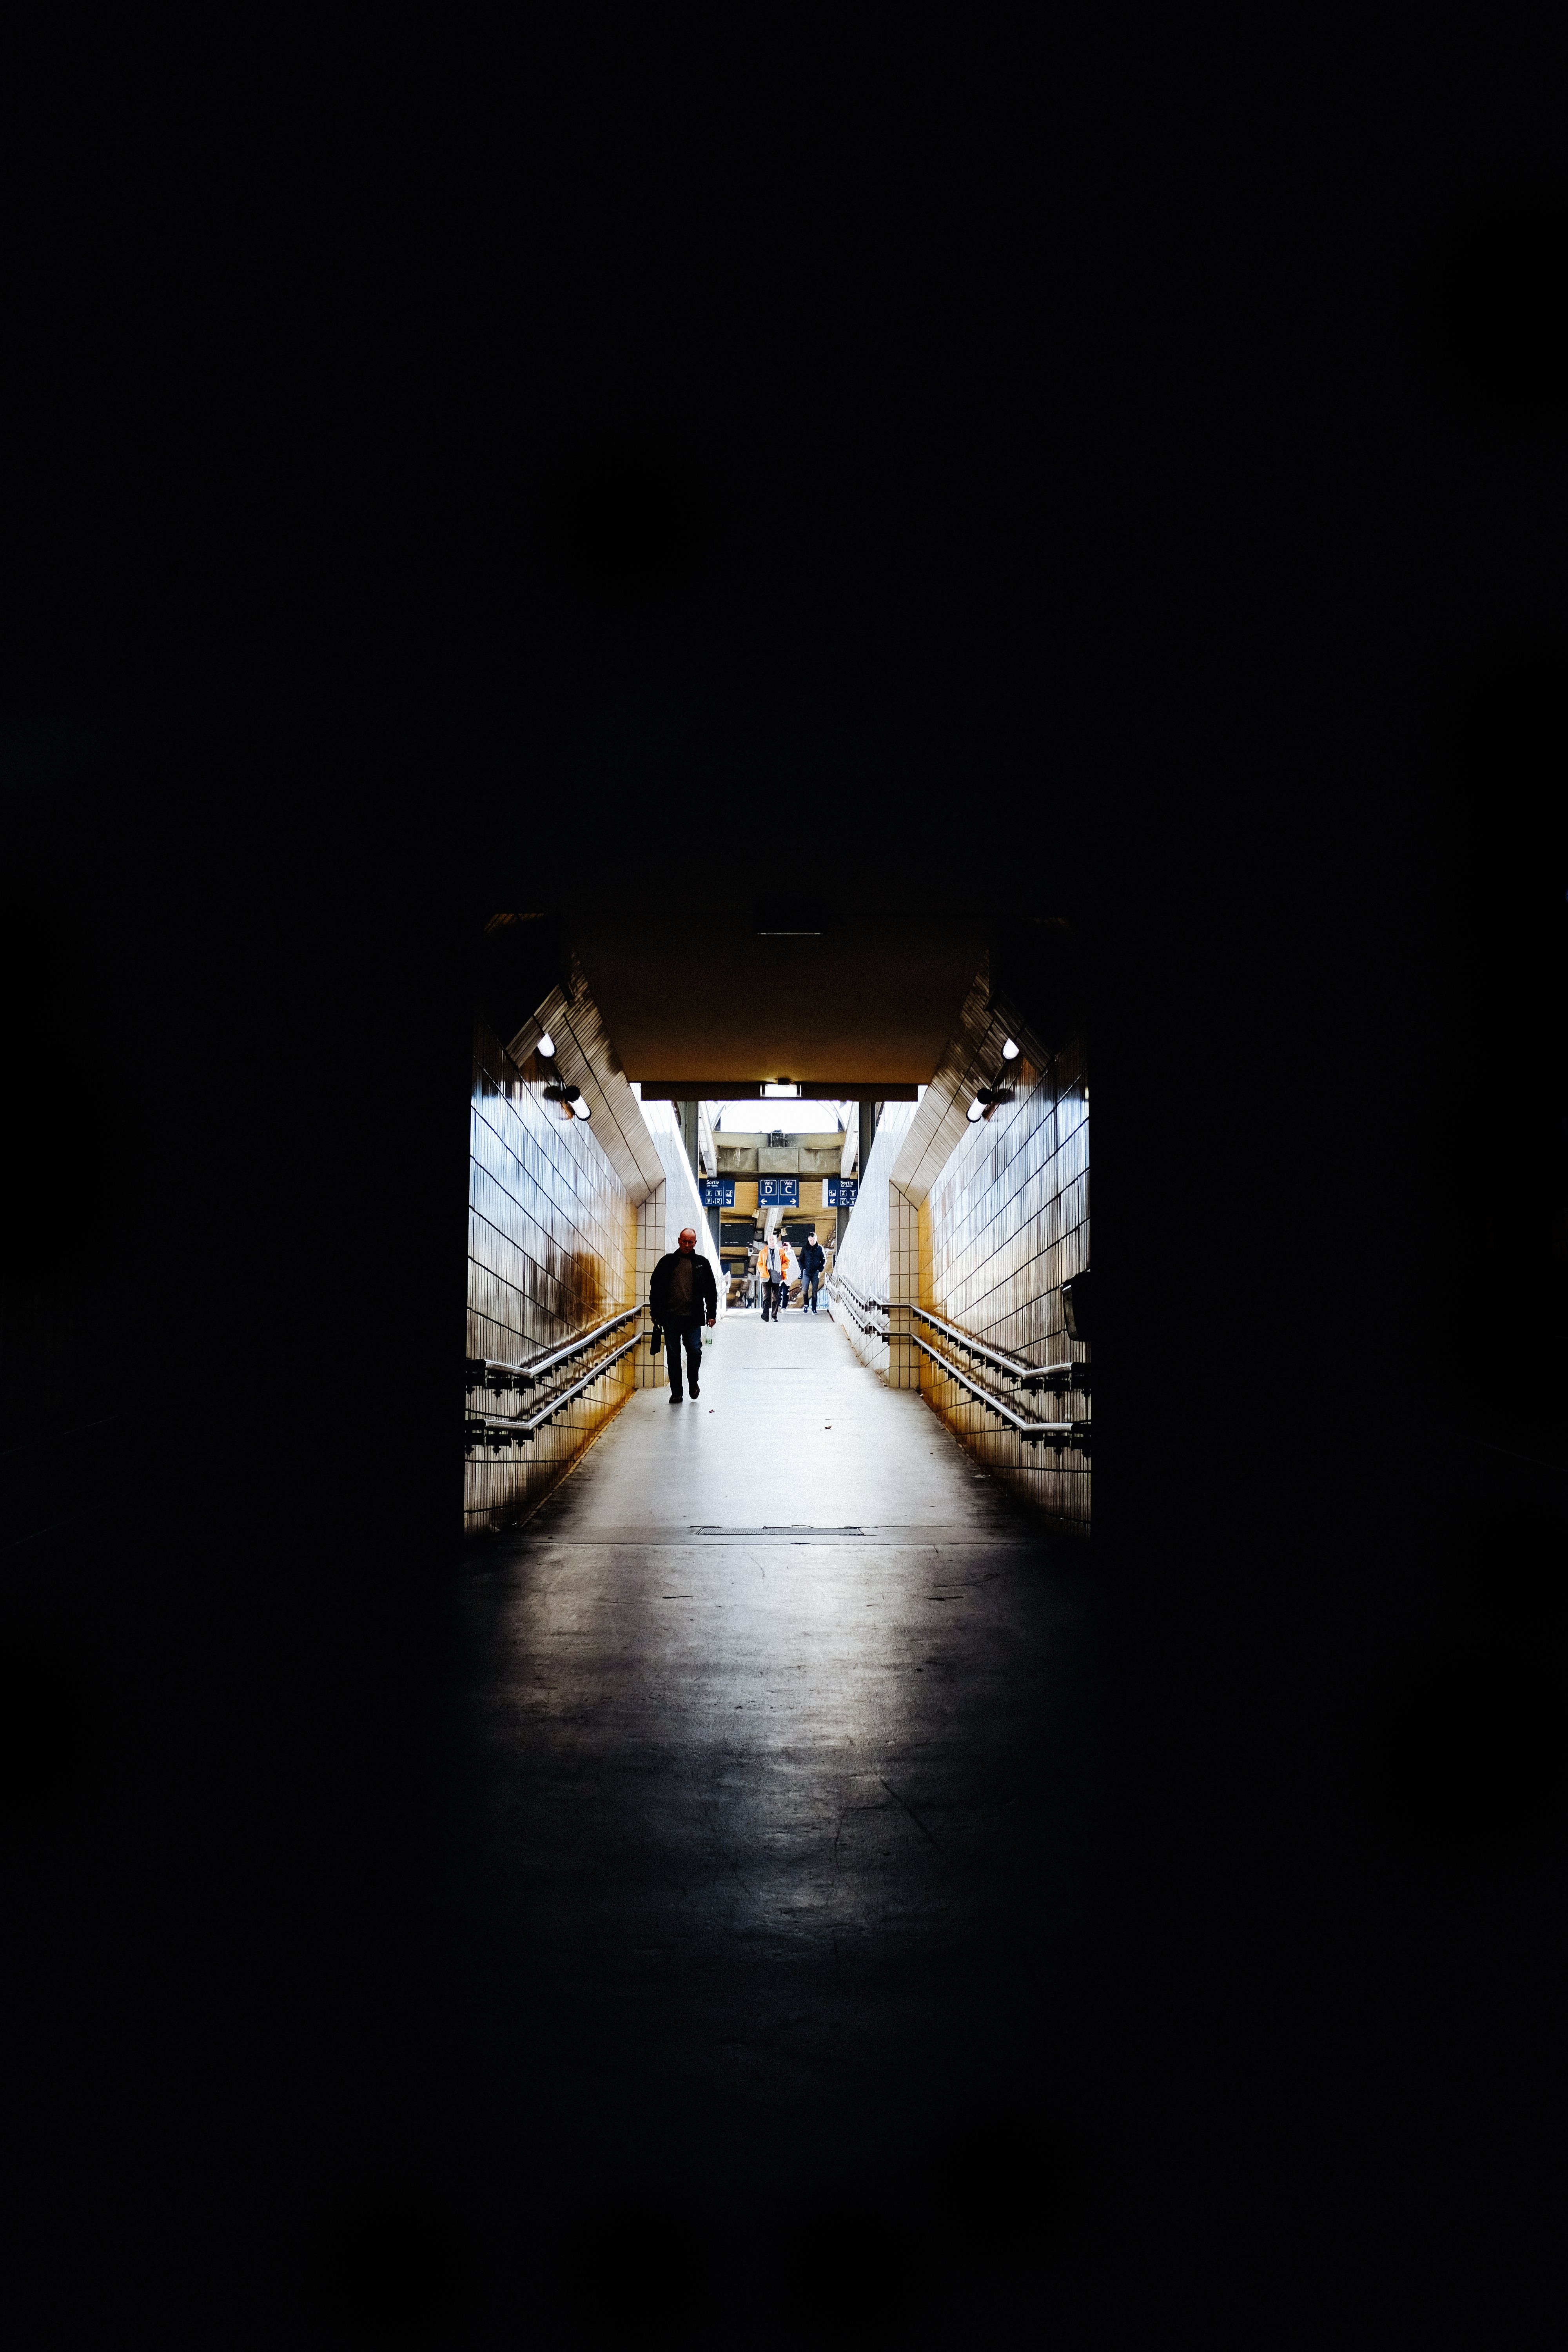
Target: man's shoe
{"x": 676, "y": 1397}
{"x": 696, "y": 1392}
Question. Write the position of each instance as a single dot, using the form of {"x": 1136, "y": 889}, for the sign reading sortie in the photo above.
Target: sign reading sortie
{"x": 718, "y": 1191}
{"x": 839, "y": 1191}
{"x": 778, "y": 1191}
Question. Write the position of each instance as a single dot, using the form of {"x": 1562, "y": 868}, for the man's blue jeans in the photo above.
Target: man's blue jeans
{"x": 808, "y": 1291}
{"x": 691, "y": 1340}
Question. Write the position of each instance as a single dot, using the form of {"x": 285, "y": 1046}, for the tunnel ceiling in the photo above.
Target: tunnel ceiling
{"x": 694, "y": 995}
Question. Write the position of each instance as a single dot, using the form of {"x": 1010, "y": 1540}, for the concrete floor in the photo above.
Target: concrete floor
{"x": 771, "y": 1713}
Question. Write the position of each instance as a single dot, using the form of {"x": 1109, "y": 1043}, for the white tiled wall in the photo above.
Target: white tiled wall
{"x": 881, "y": 1250}
{"x": 1004, "y": 1224}
{"x": 651, "y": 1219}
{"x": 556, "y": 1244}
{"x": 551, "y": 1251}
{"x": 668, "y": 1207}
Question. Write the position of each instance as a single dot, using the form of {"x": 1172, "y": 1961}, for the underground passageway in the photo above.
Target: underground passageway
{"x": 771, "y": 1706}
{"x": 774, "y": 1696}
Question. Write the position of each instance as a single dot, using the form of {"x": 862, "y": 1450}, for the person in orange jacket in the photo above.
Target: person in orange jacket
{"x": 777, "y": 1270}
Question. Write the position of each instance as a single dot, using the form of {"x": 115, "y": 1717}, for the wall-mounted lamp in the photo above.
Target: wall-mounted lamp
{"x": 580, "y": 1107}
{"x": 1010, "y": 1051}
{"x": 985, "y": 1101}
{"x": 545, "y": 1049}
{"x": 571, "y": 1100}
{"x": 1077, "y": 1292}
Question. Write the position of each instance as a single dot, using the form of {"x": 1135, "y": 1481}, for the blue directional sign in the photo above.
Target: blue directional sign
{"x": 718, "y": 1191}
{"x": 839, "y": 1191}
{"x": 779, "y": 1192}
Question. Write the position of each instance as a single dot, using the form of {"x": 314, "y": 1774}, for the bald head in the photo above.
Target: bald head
{"x": 688, "y": 1238}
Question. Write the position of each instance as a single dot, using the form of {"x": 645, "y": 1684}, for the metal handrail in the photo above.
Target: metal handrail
{"x": 867, "y": 1305}
{"x": 495, "y": 1429}
{"x": 1004, "y": 1358}
{"x": 1058, "y": 1377}
{"x": 490, "y": 1372}
{"x": 856, "y": 1300}
{"x": 1033, "y": 1433}
{"x": 859, "y": 1296}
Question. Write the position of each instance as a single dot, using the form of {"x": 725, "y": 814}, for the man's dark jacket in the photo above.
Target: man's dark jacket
{"x": 813, "y": 1258}
{"x": 704, "y": 1291}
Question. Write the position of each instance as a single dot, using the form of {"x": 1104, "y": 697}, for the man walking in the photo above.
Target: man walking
{"x": 813, "y": 1258}
{"x": 777, "y": 1270}
{"x": 681, "y": 1293}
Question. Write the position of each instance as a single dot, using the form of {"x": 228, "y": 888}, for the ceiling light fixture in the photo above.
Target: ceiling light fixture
{"x": 1010, "y": 1051}
{"x": 976, "y": 1110}
{"x": 545, "y": 1048}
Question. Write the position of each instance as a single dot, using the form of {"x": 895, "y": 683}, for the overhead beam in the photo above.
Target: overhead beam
{"x": 753, "y": 1090}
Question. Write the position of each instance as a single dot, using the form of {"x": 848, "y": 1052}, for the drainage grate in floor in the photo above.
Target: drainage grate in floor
{"x": 794, "y": 1527}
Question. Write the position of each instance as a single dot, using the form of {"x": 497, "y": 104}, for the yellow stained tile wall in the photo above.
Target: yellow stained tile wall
{"x": 1004, "y": 1225}
{"x": 551, "y": 1249}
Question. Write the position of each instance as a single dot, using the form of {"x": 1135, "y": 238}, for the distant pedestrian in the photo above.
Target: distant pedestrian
{"x": 680, "y": 1295}
{"x": 777, "y": 1270}
{"x": 813, "y": 1258}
